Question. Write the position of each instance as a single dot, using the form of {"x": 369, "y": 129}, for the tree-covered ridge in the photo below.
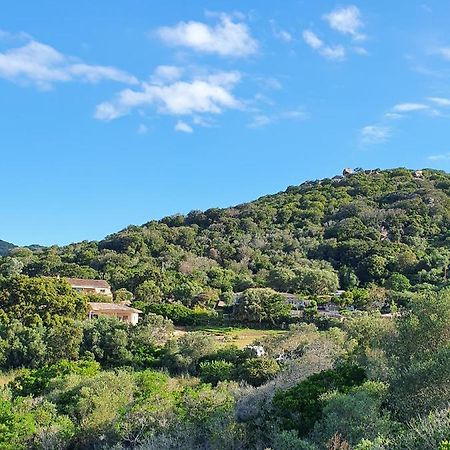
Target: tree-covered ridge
{"x": 5, "y": 247}
{"x": 380, "y": 227}
{"x": 370, "y": 381}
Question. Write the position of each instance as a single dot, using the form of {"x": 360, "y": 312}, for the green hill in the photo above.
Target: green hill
{"x": 5, "y": 247}
{"x": 370, "y": 227}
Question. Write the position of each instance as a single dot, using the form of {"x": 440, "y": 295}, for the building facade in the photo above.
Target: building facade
{"x": 99, "y": 287}
{"x": 116, "y": 310}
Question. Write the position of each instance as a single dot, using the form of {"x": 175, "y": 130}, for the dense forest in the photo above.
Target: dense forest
{"x": 373, "y": 228}
{"x": 366, "y": 381}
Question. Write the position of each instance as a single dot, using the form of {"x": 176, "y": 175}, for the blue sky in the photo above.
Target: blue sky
{"x": 115, "y": 113}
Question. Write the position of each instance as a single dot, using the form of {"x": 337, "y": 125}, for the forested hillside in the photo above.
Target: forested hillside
{"x": 364, "y": 380}
{"x": 372, "y": 227}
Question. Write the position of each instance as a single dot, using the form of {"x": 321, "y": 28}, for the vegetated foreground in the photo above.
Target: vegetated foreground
{"x": 316, "y": 318}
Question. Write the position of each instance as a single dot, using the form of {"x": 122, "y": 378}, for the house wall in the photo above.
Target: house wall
{"x": 100, "y": 291}
{"x": 103, "y": 291}
{"x": 129, "y": 317}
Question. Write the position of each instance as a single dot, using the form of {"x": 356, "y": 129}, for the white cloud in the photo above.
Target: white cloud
{"x": 183, "y": 127}
{"x": 375, "y": 134}
{"x": 312, "y": 39}
{"x": 226, "y": 38}
{"x": 269, "y": 83}
{"x": 260, "y": 121}
{"x": 211, "y": 94}
{"x": 94, "y": 74}
{"x": 281, "y": 34}
{"x": 295, "y": 114}
{"x": 444, "y": 52}
{"x": 346, "y": 20}
{"x": 394, "y": 116}
{"x": 167, "y": 73}
{"x": 441, "y": 157}
{"x": 360, "y": 51}
{"x": 336, "y": 52}
{"x": 440, "y": 101}
{"x": 42, "y": 65}
{"x": 409, "y": 107}
{"x": 142, "y": 129}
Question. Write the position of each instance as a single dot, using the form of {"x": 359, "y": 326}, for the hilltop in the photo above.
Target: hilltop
{"x": 5, "y": 247}
{"x": 346, "y": 231}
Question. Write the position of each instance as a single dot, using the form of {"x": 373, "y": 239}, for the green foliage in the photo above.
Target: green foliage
{"x": 257, "y": 371}
{"x": 107, "y": 340}
{"x": 40, "y": 300}
{"x": 16, "y": 426}
{"x": 376, "y": 383}
{"x": 184, "y": 354}
{"x": 95, "y": 403}
{"x": 35, "y": 382}
{"x": 427, "y": 432}
{"x": 301, "y": 406}
{"x": 261, "y": 305}
{"x": 182, "y": 315}
{"x": 22, "y": 346}
{"x": 366, "y": 226}
{"x": 398, "y": 282}
{"x": 215, "y": 371}
{"x": 147, "y": 338}
{"x": 355, "y": 415}
{"x": 123, "y": 296}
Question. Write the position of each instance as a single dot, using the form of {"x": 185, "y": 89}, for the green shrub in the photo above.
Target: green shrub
{"x": 257, "y": 371}
{"x": 35, "y": 382}
{"x": 301, "y": 406}
{"x": 215, "y": 371}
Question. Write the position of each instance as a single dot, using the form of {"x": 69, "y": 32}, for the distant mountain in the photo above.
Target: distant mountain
{"x": 5, "y": 247}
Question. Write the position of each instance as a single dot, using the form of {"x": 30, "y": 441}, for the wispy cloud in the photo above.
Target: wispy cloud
{"x": 262, "y": 120}
{"x": 226, "y": 38}
{"x": 142, "y": 129}
{"x": 346, "y": 20}
{"x": 336, "y": 52}
{"x": 440, "y": 101}
{"x": 444, "y": 52}
{"x": 440, "y": 157}
{"x": 409, "y": 107}
{"x": 312, "y": 39}
{"x": 183, "y": 127}
{"x": 163, "y": 74}
{"x": 281, "y": 34}
{"x": 393, "y": 115}
{"x": 374, "y": 134}
{"x": 211, "y": 94}
{"x": 42, "y": 65}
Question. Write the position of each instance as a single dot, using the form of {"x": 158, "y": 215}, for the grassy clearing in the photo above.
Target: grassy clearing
{"x": 241, "y": 337}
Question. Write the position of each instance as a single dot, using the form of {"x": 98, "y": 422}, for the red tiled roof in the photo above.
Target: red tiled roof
{"x": 82, "y": 283}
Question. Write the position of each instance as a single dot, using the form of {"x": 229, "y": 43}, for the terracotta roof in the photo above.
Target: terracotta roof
{"x": 82, "y": 283}
{"x": 117, "y": 307}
